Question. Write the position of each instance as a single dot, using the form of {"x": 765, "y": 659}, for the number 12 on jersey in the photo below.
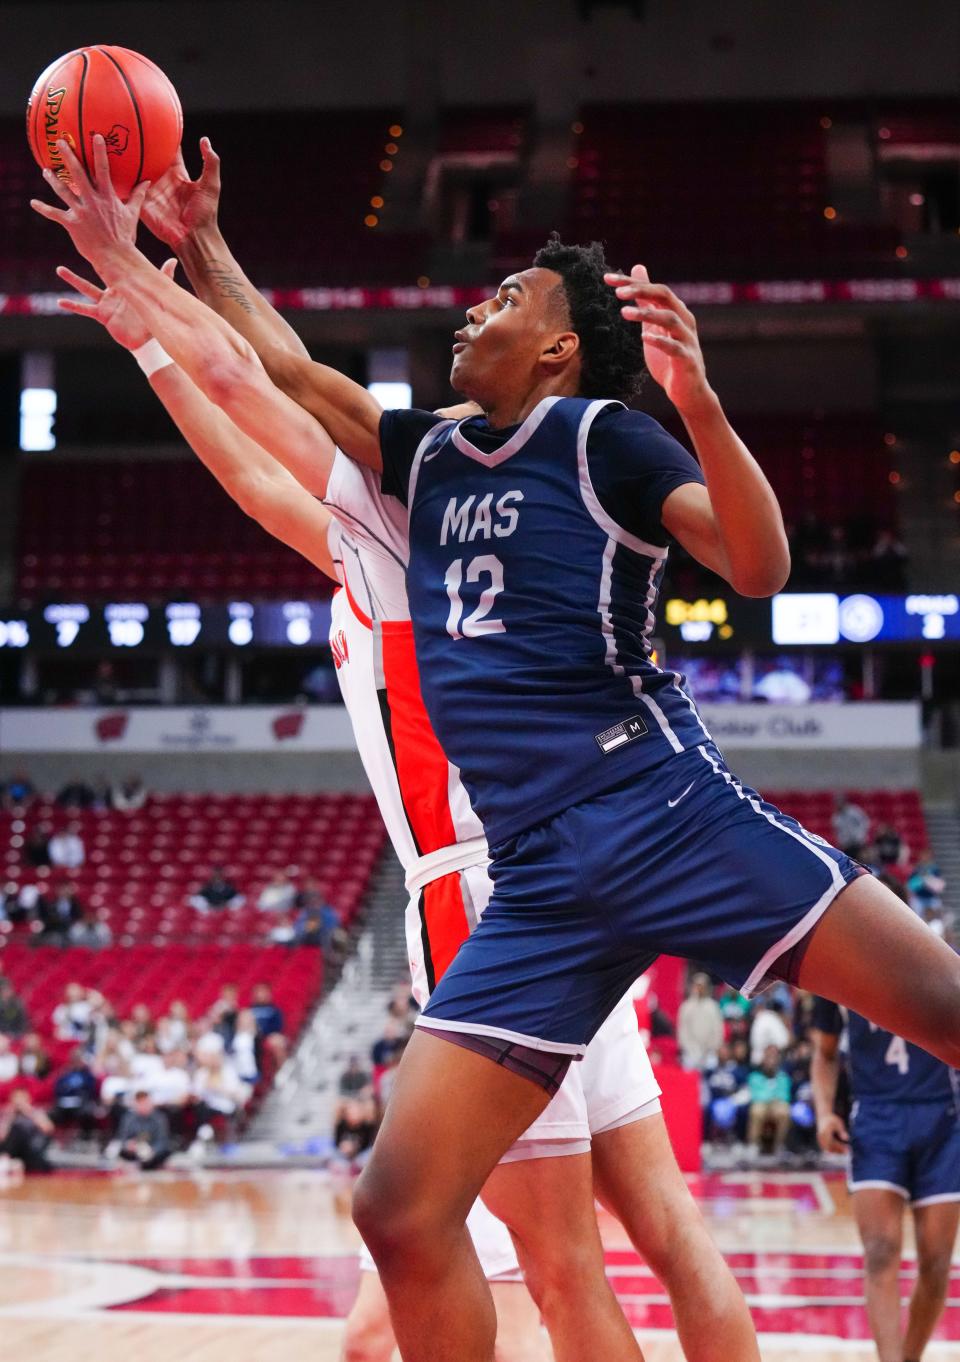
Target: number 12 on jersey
{"x": 478, "y": 622}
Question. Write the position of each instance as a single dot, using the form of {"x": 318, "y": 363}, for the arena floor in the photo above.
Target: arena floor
{"x": 230, "y": 1266}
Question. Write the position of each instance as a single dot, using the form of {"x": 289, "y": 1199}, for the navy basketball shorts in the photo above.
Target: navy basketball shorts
{"x": 911, "y": 1148}
{"x": 682, "y": 860}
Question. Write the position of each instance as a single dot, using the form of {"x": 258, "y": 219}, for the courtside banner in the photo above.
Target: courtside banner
{"x": 883, "y": 724}
{"x": 251, "y": 728}
{"x": 326, "y": 728}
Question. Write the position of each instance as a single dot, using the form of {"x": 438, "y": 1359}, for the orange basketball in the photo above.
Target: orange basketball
{"x": 112, "y": 91}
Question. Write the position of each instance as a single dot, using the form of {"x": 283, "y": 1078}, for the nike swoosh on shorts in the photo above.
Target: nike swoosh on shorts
{"x": 672, "y": 803}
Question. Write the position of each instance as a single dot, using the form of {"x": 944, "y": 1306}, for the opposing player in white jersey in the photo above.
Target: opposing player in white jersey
{"x": 612, "y": 1096}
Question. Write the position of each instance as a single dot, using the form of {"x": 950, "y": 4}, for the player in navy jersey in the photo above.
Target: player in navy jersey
{"x": 538, "y": 535}
{"x": 904, "y": 1144}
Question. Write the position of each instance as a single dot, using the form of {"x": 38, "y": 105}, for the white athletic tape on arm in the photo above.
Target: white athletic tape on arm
{"x": 151, "y": 356}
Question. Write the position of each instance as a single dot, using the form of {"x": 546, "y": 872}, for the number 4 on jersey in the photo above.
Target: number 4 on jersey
{"x": 898, "y": 1054}
{"x": 477, "y": 622}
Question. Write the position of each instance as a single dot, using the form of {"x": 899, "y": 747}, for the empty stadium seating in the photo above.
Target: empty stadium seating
{"x": 141, "y": 868}
{"x": 150, "y": 529}
{"x": 155, "y": 529}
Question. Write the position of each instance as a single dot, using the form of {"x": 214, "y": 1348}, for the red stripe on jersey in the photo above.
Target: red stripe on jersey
{"x": 423, "y": 773}
{"x": 444, "y": 925}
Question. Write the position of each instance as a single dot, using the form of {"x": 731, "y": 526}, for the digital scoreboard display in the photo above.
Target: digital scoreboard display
{"x": 74, "y": 626}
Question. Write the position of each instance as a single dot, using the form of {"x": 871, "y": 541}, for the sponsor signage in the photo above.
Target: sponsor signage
{"x": 326, "y": 728}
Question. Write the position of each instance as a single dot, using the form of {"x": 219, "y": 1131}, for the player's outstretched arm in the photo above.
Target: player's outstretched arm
{"x": 824, "y": 1073}
{"x": 260, "y": 486}
{"x": 734, "y": 525}
{"x": 184, "y": 214}
{"x": 221, "y": 363}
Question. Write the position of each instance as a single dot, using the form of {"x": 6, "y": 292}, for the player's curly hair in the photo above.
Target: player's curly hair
{"x": 611, "y": 349}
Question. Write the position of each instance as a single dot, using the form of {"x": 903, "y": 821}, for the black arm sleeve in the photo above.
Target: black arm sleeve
{"x": 400, "y": 435}
{"x": 826, "y": 1017}
{"x": 634, "y": 466}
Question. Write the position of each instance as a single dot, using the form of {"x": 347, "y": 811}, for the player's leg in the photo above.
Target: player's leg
{"x": 452, "y": 1114}
{"x": 547, "y": 1204}
{"x": 368, "y": 1333}
{"x": 879, "y": 1215}
{"x": 520, "y": 1336}
{"x": 637, "y": 1179}
{"x": 935, "y": 1229}
{"x": 870, "y": 952}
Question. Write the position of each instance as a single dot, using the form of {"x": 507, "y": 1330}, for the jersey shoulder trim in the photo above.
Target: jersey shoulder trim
{"x": 592, "y": 501}
{"x": 421, "y": 450}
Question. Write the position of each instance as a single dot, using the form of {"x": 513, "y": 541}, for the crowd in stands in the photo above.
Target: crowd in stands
{"x": 50, "y": 905}
{"x": 754, "y": 1056}
{"x": 365, "y": 1088}
{"x": 141, "y": 1086}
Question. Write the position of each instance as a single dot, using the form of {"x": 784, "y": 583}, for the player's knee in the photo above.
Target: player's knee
{"x": 881, "y": 1254}
{"x": 391, "y": 1221}
{"x": 934, "y": 1267}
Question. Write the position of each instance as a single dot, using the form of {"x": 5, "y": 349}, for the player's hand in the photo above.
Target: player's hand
{"x": 177, "y": 206}
{"x": 671, "y": 347}
{"x": 104, "y": 305}
{"x": 95, "y": 216}
{"x": 833, "y": 1136}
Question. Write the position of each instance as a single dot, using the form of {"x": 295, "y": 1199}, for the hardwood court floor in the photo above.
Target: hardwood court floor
{"x": 236, "y": 1267}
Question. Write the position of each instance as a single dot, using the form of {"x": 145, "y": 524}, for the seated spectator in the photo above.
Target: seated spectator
{"x": 35, "y": 1061}
{"x": 90, "y": 932}
{"x": 13, "y": 1014}
{"x": 768, "y": 1028}
{"x": 308, "y": 929}
{"x": 311, "y": 895}
{"x": 222, "y": 1016}
{"x": 147, "y": 1063}
{"x": 36, "y": 848}
{"x": 73, "y": 1018}
{"x": 170, "y": 1086}
{"x": 9, "y": 1063}
{"x": 177, "y": 1024}
{"x": 769, "y": 1088}
{"x": 66, "y": 849}
{"x": 890, "y": 846}
{"x": 851, "y": 827}
{"x": 26, "y": 1132}
{"x": 926, "y": 885}
{"x": 217, "y": 1086}
{"x": 77, "y": 794}
{"x": 402, "y": 1006}
{"x": 355, "y": 1131}
{"x": 268, "y": 1016}
{"x": 75, "y": 1094}
{"x": 16, "y": 792}
{"x": 129, "y": 795}
{"x": 243, "y": 1048}
{"x": 283, "y": 932}
{"x": 279, "y": 895}
{"x": 58, "y": 914}
{"x": 727, "y": 1094}
{"x": 699, "y": 1024}
{"x": 217, "y": 893}
{"x": 390, "y": 1043}
{"x": 355, "y": 1081}
{"x": 143, "y": 1136}
{"x": 29, "y": 903}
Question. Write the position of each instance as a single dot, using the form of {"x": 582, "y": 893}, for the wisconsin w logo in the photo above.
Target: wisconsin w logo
{"x": 117, "y": 139}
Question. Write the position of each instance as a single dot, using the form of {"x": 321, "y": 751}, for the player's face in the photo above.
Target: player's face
{"x": 505, "y": 337}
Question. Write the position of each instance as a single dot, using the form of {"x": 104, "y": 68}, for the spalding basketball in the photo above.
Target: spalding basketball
{"x": 114, "y": 92}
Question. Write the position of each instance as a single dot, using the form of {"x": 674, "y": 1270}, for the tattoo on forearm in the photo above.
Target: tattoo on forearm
{"x": 227, "y": 284}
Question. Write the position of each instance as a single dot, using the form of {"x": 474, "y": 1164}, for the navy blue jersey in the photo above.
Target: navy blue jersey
{"x": 533, "y": 595}
{"x": 883, "y": 1067}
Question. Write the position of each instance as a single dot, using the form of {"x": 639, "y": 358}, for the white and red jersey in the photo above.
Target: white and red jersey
{"x": 425, "y": 807}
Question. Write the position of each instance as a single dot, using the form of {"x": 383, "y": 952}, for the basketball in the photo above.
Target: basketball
{"x": 117, "y": 93}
